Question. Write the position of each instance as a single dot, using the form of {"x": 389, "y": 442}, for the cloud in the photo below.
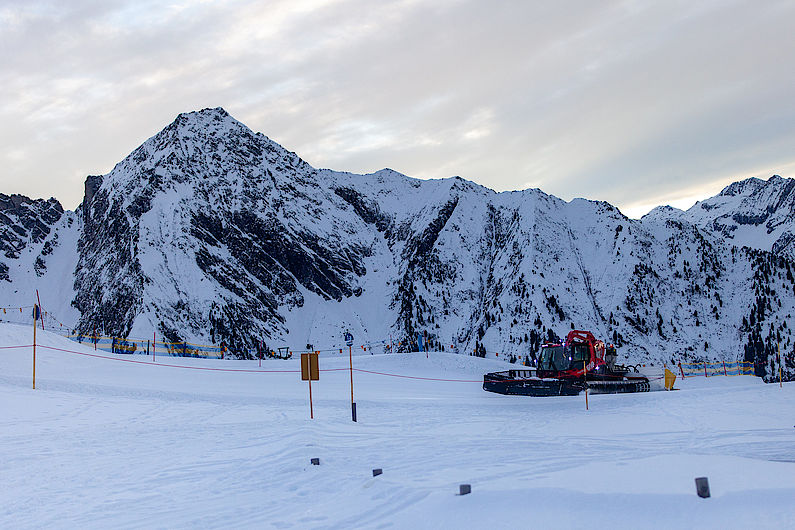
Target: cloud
{"x": 627, "y": 102}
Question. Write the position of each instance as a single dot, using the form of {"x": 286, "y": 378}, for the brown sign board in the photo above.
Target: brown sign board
{"x": 310, "y": 370}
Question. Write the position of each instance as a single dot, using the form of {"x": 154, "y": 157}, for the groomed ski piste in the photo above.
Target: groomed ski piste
{"x": 178, "y": 442}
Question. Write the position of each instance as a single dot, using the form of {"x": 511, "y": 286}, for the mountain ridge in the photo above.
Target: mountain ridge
{"x": 210, "y": 232}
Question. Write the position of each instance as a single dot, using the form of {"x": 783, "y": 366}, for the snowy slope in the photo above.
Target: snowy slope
{"x": 103, "y": 442}
{"x": 209, "y": 232}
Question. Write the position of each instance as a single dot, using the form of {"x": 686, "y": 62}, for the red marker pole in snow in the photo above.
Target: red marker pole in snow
{"x": 154, "y": 346}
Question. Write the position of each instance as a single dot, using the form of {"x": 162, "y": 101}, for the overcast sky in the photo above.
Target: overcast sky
{"x": 635, "y": 103}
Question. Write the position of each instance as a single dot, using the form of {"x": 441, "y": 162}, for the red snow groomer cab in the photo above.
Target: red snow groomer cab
{"x": 566, "y": 369}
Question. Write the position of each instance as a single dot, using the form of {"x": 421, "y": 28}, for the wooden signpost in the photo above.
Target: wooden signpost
{"x": 310, "y": 371}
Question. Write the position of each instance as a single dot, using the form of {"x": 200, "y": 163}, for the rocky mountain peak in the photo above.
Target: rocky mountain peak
{"x": 743, "y": 187}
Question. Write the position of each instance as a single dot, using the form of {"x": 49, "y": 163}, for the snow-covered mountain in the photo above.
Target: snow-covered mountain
{"x": 753, "y": 212}
{"x": 210, "y": 232}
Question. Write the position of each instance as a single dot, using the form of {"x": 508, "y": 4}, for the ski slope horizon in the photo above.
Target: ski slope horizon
{"x": 103, "y": 442}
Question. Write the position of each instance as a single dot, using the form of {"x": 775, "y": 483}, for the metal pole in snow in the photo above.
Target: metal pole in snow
{"x": 311, "y": 410}
{"x": 34, "y": 346}
{"x": 350, "y": 360}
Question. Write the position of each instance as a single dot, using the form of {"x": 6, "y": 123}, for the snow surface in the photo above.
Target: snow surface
{"x": 107, "y": 443}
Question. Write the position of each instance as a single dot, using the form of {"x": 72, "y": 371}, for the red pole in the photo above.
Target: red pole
{"x": 154, "y": 346}
{"x": 705, "y": 369}
{"x": 95, "y": 339}
{"x": 724, "y": 369}
{"x": 681, "y": 371}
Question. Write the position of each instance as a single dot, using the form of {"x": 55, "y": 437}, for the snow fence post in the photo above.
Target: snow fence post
{"x": 349, "y": 342}
{"x": 36, "y": 314}
{"x": 681, "y": 370}
{"x": 702, "y": 487}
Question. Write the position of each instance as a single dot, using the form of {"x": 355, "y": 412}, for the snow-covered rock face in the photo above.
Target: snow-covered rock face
{"x": 754, "y": 213}
{"x": 209, "y": 232}
{"x": 23, "y": 222}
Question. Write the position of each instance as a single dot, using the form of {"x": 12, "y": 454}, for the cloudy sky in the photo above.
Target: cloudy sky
{"x": 636, "y": 103}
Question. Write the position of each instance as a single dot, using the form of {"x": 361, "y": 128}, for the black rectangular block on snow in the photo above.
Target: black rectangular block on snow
{"x": 702, "y": 487}
{"x": 315, "y": 461}
{"x": 463, "y": 489}
{"x": 377, "y": 472}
